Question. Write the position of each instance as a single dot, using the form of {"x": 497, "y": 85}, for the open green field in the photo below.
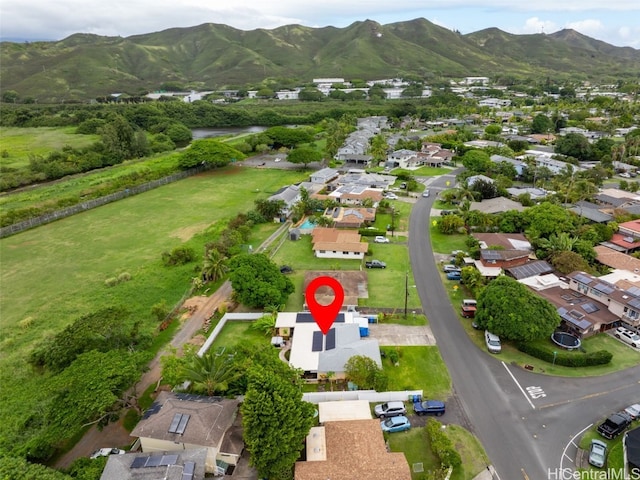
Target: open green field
{"x": 19, "y": 143}
{"x": 83, "y": 185}
{"x": 236, "y": 333}
{"x": 56, "y": 273}
{"x": 419, "y": 368}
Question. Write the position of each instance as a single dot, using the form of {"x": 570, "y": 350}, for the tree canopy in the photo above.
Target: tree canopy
{"x": 209, "y": 152}
{"x": 257, "y": 281}
{"x": 276, "y": 421}
{"x": 365, "y": 372}
{"x": 510, "y": 310}
{"x": 304, "y": 155}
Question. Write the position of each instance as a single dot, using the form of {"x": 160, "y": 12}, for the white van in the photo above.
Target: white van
{"x": 469, "y": 302}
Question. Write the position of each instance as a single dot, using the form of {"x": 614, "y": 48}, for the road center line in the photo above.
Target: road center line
{"x": 518, "y": 384}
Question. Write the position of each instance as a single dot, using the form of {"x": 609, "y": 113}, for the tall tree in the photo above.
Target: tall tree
{"x": 304, "y": 155}
{"x": 214, "y": 266}
{"x": 211, "y": 373}
{"x": 365, "y": 372}
{"x": 276, "y": 421}
{"x": 209, "y": 152}
{"x": 257, "y": 281}
{"x": 509, "y": 309}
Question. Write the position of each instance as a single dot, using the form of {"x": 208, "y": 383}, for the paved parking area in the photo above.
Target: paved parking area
{"x": 389, "y": 335}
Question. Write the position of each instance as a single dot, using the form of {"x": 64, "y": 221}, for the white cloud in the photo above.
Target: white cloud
{"x": 535, "y": 25}
{"x": 588, "y": 27}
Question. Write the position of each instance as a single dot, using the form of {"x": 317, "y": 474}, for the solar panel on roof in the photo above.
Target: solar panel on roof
{"x": 604, "y": 288}
{"x": 183, "y": 424}
{"x": 331, "y": 339}
{"x": 175, "y": 422}
{"x": 590, "y": 307}
{"x": 169, "y": 460}
{"x": 153, "y": 461}
{"x": 187, "y": 470}
{"x": 491, "y": 255}
{"x": 154, "y": 408}
{"x": 635, "y": 291}
{"x": 316, "y": 342}
{"x": 139, "y": 462}
{"x": 305, "y": 317}
{"x": 583, "y": 279}
{"x": 635, "y": 303}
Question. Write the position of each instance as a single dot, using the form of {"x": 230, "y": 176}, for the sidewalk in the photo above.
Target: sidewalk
{"x": 486, "y": 474}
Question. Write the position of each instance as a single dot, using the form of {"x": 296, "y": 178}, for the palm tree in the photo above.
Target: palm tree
{"x": 210, "y": 373}
{"x": 214, "y": 266}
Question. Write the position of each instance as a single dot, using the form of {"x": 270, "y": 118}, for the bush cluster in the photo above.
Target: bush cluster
{"x": 441, "y": 445}
{"x": 370, "y": 232}
{"x": 180, "y": 255}
{"x": 566, "y": 359}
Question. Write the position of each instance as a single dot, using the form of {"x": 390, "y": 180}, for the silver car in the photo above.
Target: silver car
{"x": 597, "y": 453}
{"x": 493, "y": 342}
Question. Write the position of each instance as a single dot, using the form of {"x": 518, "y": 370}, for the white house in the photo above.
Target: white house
{"x": 402, "y": 158}
{"x": 324, "y": 176}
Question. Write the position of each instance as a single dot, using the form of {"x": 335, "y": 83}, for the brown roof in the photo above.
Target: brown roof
{"x": 333, "y": 235}
{"x": 500, "y": 239}
{"x": 375, "y": 195}
{"x": 619, "y": 260}
{"x": 355, "y": 449}
{"x": 210, "y": 418}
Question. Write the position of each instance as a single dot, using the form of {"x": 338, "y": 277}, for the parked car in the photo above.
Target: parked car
{"x": 475, "y": 326}
{"x": 597, "y": 453}
{"x": 395, "y": 424}
{"x": 625, "y": 175}
{"x": 492, "y": 341}
{"x": 389, "y": 409}
{"x": 469, "y": 302}
{"x": 375, "y": 264}
{"x": 390, "y": 196}
{"x": 429, "y": 407}
{"x": 105, "y": 452}
{"x": 425, "y": 194}
{"x": 451, "y": 268}
{"x": 444, "y": 213}
{"x": 286, "y": 269}
{"x": 614, "y": 425}
{"x": 403, "y": 185}
{"x": 633, "y": 411}
{"x": 454, "y": 275}
{"x": 468, "y": 311}
{"x": 381, "y": 239}
{"x": 628, "y": 336}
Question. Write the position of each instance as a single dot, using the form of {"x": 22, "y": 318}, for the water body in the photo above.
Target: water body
{"x": 199, "y": 133}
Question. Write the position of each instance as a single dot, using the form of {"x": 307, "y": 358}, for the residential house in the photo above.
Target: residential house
{"x": 433, "y": 155}
{"x": 591, "y": 211}
{"x": 350, "y": 217}
{"x": 370, "y": 180}
{"x": 627, "y": 239}
{"x": 476, "y": 178}
{"x": 290, "y": 195}
{"x": 508, "y": 241}
{"x": 519, "y": 165}
{"x": 334, "y": 243}
{"x": 504, "y": 258}
{"x": 496, "y": 205}
{"x": 616, "y": 260}
{"x": 170, "y": 465}
{"x": 403, "y": 158}
{"x": 177, "y": 421}
{"x": 316, "y": 353}
{"x": 324, "y": 175}
{"x": 529, "y": 269}
{"x": 544, "y": 159}
{"x": 483, "y": 143}
{"x": 288, "y": 94}
{"x": 355, "y": 194}
{"x": 351, "y": 449}
{"x": 494, "y": 102}
{"x": 535, "y": 194}
{"x": 366, "y": 457}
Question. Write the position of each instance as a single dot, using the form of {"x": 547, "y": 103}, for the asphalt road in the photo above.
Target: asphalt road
{"x": 525, "y": 421}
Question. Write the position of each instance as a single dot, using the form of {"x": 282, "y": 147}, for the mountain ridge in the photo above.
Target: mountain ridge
{"x": 209, "y": 56}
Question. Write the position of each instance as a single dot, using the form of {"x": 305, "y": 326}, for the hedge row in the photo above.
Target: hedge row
{"x": 566, "y": 359}
{"x": 441, "y": 445}
{"x": 371, "y": 232}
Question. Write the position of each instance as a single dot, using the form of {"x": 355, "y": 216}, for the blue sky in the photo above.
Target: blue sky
{"x": 614, "y": 21}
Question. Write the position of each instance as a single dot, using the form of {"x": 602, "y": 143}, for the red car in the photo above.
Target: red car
{"x": 468, "y": 311}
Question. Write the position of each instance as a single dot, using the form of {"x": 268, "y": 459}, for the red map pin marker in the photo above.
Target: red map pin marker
{"x": 324, "y": 315}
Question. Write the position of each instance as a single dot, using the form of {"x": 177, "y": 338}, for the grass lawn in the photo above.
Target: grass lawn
{"x": 419, "y": 368}
{"x": 398, "y": 318}
{"x": 430, "y": 171}
{"x": 239, "y": 332}
{"x": 442, "y": 243}
{"x": 19, "y": 143}
{"x": 414, "y": 443}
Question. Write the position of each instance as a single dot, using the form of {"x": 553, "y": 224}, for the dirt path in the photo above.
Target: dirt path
{"x": 114, "y": 434}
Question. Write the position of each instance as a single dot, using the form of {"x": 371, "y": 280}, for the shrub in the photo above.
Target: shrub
{"x": 160, "y": 310}
{"x": 441, "y": 445}
{"x": 566, "y": 359}
{"x": 111, "y": 282}
{"x": 178, "y": 256}
{"x": 124, "y": 277}
{"x": 371, "y": 232}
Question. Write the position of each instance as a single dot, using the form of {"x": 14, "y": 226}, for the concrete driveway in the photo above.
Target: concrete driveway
{"x": 401, "y": 335}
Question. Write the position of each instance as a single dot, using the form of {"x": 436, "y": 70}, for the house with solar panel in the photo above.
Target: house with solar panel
{"x": 315, "y": 353}
{"x": 177, "y": 421}
{"x": 172, "y": 465}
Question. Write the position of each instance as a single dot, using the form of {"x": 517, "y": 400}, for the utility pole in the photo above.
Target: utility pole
{"x": 406, "y": 293}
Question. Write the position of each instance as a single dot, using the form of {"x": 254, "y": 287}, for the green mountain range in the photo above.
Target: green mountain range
{"x": 213, "y": 56}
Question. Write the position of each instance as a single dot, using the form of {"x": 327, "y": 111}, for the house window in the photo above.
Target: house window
{"x": 633, "y": 314}
{"x": 596, "y": 292}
